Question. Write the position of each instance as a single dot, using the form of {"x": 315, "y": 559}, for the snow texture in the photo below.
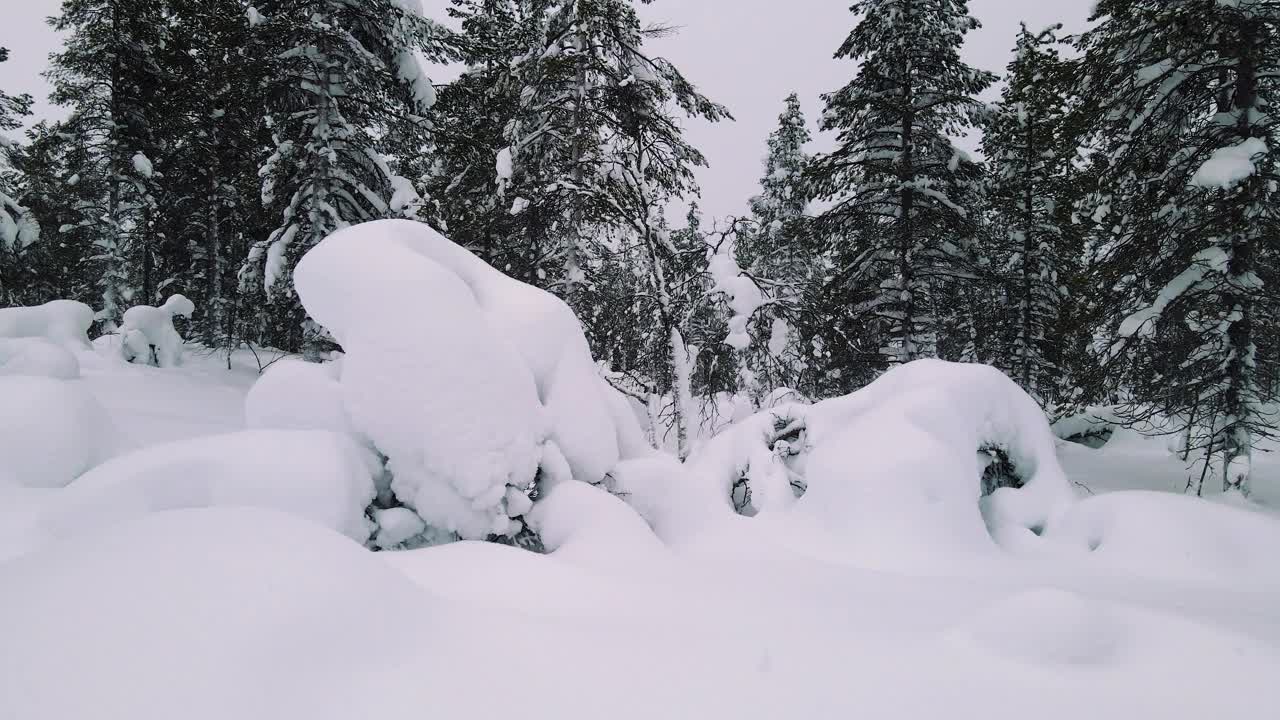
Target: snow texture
{"x": 296, "y": 395}
{"x": 319, "y": 476}
{"x": 142, "y": 165}
{"x": 51, "y": 430}
{"x": 37, "y": 356}
{"x": 65, "y": 322}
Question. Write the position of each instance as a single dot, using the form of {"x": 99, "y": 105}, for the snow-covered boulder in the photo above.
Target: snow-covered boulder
{"x": 146, "y": 329}
{"x": 51, "y": 430}
{"x": 65, "y": 322}
{"x": 317, "y": 475}
{"x": 465, "y": 379}
{"x": 37, "y": 356}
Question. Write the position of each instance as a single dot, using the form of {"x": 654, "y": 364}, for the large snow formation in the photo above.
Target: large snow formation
{"x": 465, "y": 379}
{"x": 317, "y": 475}
{"x": 65, "y": 322}
{"x": 897, "y": 461}
{"x": 51, "y": 430}
{"x": 145, "y": 327}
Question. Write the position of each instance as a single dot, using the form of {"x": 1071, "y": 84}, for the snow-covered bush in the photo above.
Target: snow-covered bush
{"x": 51, "y": 430}
{"x": 37, "y": 356}
{"x": 317, "y": 475}
{"x": 148, "y": 332}
{"x": 897, "y": 457}
{"x": 65, "y": 322}
{"x": 468, "y": 381}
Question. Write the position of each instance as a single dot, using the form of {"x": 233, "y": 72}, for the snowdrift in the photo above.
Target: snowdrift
{"x": 468, "y": 381}
{"x": 51, "y": 431}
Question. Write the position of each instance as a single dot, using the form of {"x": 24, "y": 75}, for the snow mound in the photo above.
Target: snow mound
{"x": 51, "y": 430}
{"x": 321, "y": 476}
{"x": 1170, "y": 535}
{"x": 441, "y": 395}
{"x": 37, "y": 356}
{"x": 461, "y": 398}
{"x": 663, "y": 492}
{"x": 1047, "y": 627}
{"x": 145, "y": 327}
{"x": 587, "y": 526}
{"x": 65, "y": 322}
{"x": 896, "y": 463}
{"x": 297, "y": 395}
{"x": 210, "y": 613}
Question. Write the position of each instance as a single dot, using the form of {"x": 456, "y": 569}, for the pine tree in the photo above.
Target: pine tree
{"x": 344, "y": 75}
{"x": 781, "y": 252}
{"x": 1029, "y": 161}
{"x": 895, "y": 180}
{"x": 107, "y": 74}
{"x": 1189, "y": 212}
{"x": 18, "y": 226}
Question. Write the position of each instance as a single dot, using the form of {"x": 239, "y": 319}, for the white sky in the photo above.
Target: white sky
{"x": 745, "y": 54}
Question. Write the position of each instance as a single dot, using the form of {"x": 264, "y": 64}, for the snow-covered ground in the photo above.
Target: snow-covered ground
{"x": 209, "y": 571}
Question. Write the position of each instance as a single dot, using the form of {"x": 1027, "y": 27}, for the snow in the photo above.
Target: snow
{"x": 409, "y": 70}
{"x": 144, "y": 327}
{"x": 65, "y": 322}
{"x": 217, "y": 572}
{"x": 37, "y": 356}
{"x": 253, "y": 16}
{"x": 743, "y": 294}
{"x": 317, "y": 475}
{"x": 462, "y": 427}
{"x": 502, "y": 164}
{"x": 1229, "y": 166}
{"x": 51, "y": 430}
{"x": 142, "y": 165}
{"x": 404, "y": 198}
{"x": 458, "y": 427}
{"x": 294, "y": 394}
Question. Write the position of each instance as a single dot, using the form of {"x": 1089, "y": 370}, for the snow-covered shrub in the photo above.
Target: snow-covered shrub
{"x": 317, "y": 475}
{"x": 65, "y": 322}
{"x": 37, "y": 356}
{"x": 899, "y": 456}
{"x": 588, "y": 526}
{"x": 148, "y": 332}
{"x": 468, "y": 381}
{"x": 51, "y": 430}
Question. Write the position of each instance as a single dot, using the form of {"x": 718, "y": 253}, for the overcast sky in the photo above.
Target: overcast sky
{"x": 746, "y": 54}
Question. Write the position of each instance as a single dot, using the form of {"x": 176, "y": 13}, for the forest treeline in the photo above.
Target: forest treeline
{"x": 1116, "y": 242}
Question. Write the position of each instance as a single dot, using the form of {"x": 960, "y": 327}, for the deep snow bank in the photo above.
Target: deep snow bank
{"x": 51, "y": 430}
{"x": 465, "y": 379}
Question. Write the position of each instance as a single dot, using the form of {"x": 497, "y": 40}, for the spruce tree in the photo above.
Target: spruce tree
{"x": 343, "y": 75}
{"x": 108, "y": 76}
{"x": 895, "y": 182}
{"x": 1188, "y": 211}
{"x": 1029, "y": 159}
{"x": 18, "y": 226}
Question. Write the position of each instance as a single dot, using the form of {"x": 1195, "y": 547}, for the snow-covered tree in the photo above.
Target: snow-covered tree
{"x": 108, "y": 76}
{"x": 344, "y": 75}
{"x": 1029, "y": 168}
{"x": 18, "y": 227}
{"x": 895, "y": 182}
{"x": 1188, "y": 210}
{"x": 782, "y": 254}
